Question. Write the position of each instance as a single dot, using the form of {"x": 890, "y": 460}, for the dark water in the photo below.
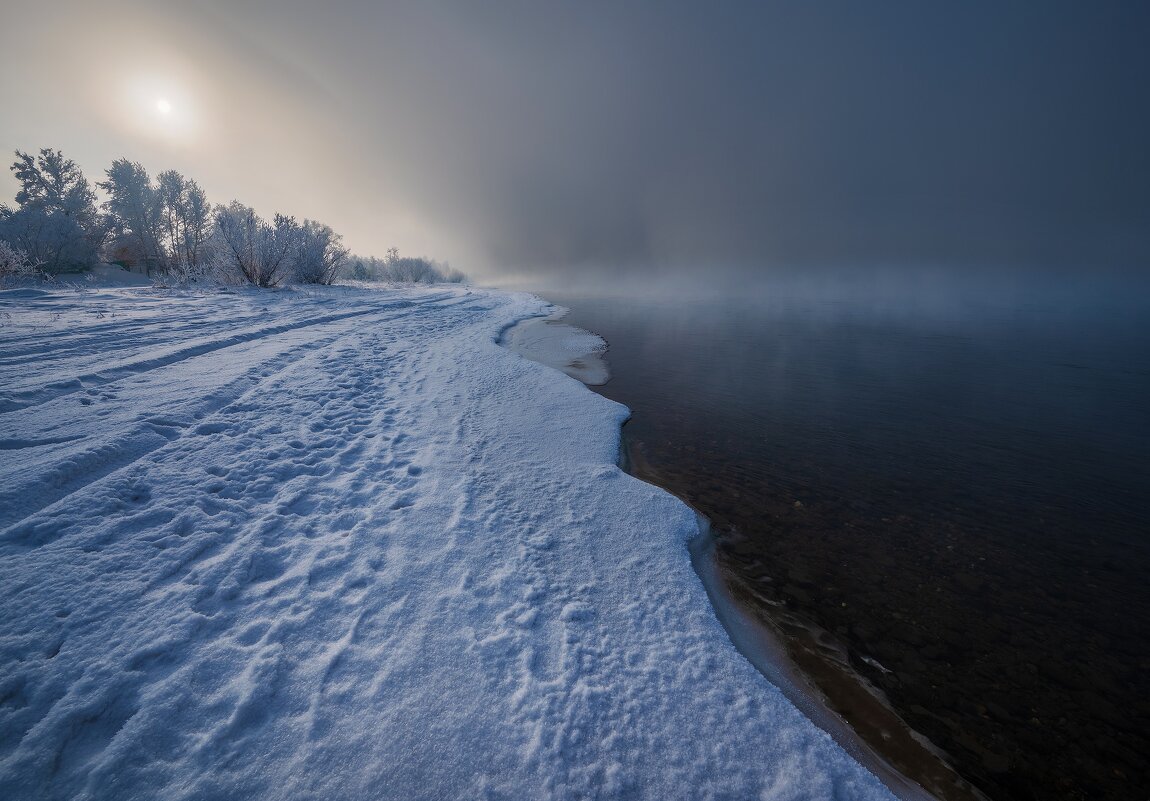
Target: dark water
{"x": 971, "y": 470}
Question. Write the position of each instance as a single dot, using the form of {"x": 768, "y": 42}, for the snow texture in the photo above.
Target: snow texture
{"x": 339, "y": 544}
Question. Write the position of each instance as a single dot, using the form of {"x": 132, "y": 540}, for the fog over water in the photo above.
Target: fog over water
{"x": 648, "y": 137}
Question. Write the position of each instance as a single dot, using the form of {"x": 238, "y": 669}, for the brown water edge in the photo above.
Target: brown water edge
{"x": 951, "y": 633}
{"x": 822, "y": 663}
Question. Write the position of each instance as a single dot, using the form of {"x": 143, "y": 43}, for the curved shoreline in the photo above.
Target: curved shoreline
{"x": 827, "y": 691}
{"x": 364, "y": 551}
{"x": 572, "y": 350}
{"x": 759, "y": 641}
{"x": 767, "y": 651}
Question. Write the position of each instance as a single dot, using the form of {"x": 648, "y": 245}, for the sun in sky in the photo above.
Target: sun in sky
{"x": 158, "y": 107}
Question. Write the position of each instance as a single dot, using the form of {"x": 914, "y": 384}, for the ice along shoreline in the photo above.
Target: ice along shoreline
{"x": 866, "y": 726}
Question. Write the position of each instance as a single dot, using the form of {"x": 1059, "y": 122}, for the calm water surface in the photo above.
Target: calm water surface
{"x": 953, "y": 480}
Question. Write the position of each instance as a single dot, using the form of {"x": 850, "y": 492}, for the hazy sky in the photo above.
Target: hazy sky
{"x": 509, "y": 136}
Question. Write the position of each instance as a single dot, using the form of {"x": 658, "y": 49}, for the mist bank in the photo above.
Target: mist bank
{"x": 910, "y": 290}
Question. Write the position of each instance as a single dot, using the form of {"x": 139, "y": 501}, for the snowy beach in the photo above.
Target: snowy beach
{"x": 338, "y": 543}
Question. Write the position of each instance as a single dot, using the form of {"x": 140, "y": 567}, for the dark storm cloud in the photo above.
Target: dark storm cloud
{"x": 528, "y": 136}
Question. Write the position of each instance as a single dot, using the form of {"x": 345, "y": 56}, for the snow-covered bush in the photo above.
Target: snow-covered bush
{"x": 261, "y": 252}
{"x": 50, "y": 239}
{"x": 14, "y": 263}
{"x": 320, "y": 254}
{"x": 245, "y": 248}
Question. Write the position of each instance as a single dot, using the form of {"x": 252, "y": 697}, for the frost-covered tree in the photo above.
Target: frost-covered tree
{"x": 53, "y": 183}
{"x": 452, "y": 275}
{"x": 320, "y": 255}
{"x": 186, "y": 222}
{"x": 163, "y": 225}
{"x": 169, "y": 188}
{"x": 281, "y": 244}
{"x": 261, "y": 253}
{"x": 401, "y": 269}
{"x": 417, "y": 270}
{"x": 238, "y": 229}
{"x": 360, "y": 269}
{"x": 56, "y": 222}
{"x": 135, "y": 213}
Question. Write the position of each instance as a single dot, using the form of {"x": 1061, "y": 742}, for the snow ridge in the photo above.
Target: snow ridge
{"x": 340, "y": 544}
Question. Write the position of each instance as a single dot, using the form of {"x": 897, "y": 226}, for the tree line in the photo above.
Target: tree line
{"x": 166, "y": 226}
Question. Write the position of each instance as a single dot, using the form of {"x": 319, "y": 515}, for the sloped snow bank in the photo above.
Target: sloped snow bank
{"x": 578, "y": 353}
{"x": 340, "y": 544}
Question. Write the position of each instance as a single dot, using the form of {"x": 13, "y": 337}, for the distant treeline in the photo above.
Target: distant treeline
{"x": 405, "y": 269}
{"x": 166, "y": 227}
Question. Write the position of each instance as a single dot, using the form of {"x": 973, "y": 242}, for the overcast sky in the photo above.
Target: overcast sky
{"x": 509, "y": 136}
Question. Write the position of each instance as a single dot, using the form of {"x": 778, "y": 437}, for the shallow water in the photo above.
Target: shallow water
{"x": 953, "y": 482}
{"x": 548, "y": 341}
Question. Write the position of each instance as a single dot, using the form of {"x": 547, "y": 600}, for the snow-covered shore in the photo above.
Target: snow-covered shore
{"x": 340, "y": 544}
{"x": 578, "y": 353}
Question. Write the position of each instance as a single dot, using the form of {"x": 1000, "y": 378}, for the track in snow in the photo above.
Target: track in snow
{"x": 341, "y": 545}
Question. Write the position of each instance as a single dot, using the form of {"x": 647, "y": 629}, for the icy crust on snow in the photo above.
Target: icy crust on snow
{"x": 341, "y": 545}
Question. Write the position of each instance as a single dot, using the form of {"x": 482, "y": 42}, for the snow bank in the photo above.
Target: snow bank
{"x": 578, "y": 353}
{"x": 339, "y": 544}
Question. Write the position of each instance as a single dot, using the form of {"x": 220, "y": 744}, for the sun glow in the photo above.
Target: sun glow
{"x": 159, "y": 108}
